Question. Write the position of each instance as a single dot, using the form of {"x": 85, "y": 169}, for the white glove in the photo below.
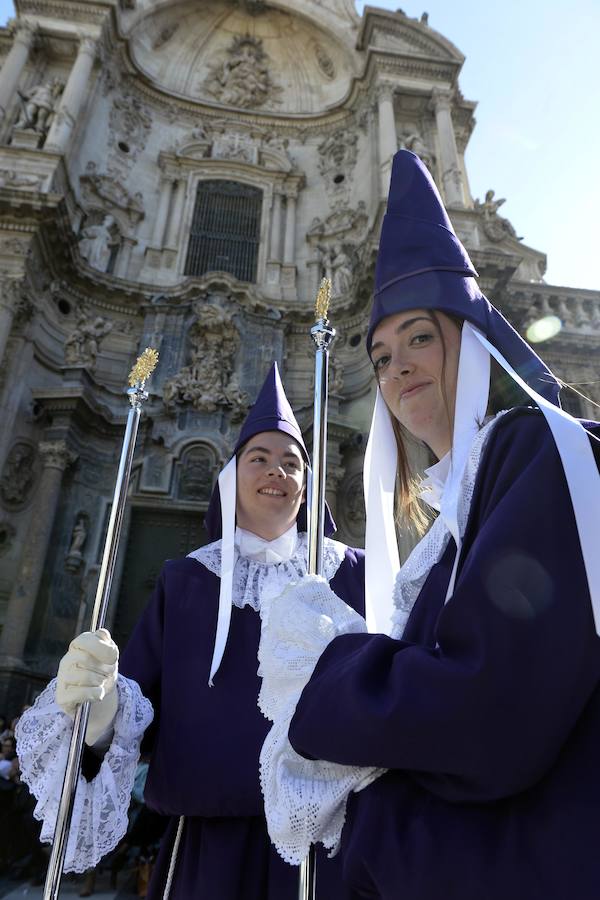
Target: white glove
{"x": 88, "y": 671}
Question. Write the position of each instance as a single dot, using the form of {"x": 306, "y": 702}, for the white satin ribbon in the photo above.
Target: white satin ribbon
{"x": 227, "y": 491}
{"x": 278, "y": 550}
{"x": 581, "y": 472}
{"x": 382, "y": 561}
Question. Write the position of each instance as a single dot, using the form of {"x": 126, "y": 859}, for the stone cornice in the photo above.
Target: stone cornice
{"x": 67, "y": 10}
{"x": 425, "y": 39}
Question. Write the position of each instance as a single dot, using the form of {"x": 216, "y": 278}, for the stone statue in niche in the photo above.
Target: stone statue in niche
{"x": 336, "y": 376}
{"x": 208, "y": 382}
{"x": 78, "y": 538}
{"x": 97, "y": 243}
{"x": 81, "y": 346}
{"x": 18, "y": 475}
{"x": 195, "y": 479}
{"x": 38, "y": 105}
{"x": 495, "y": 227}
{"x": 337, "y": 265}
{"x": 243, "y": 79}
{"x": 413, "y": 141}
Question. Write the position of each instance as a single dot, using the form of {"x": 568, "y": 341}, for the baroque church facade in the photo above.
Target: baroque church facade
{"x": 181, "y": 175}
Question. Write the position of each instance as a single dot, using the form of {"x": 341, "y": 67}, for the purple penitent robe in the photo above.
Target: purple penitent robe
{"x": 205, "y": 742}
{"x": 486, "y": 713}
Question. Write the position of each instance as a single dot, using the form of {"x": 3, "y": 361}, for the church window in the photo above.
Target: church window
{"x": 225, "y": 232}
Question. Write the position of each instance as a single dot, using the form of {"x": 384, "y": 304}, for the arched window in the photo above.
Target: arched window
{"x": 225, "y": 233}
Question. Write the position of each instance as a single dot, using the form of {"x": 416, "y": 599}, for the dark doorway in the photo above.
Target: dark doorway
{"x": 154, "y": 537}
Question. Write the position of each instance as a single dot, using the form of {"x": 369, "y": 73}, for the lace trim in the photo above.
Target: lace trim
{"x": 100, "y": 811}
{"x": 305, "y": 800}
{"x": 254, "y": 582}
{"x": 431, "y": 547}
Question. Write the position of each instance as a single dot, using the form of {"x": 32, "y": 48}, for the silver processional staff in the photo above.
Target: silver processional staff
{"x": 323, "y": 335}
{"x": 138, "y": 376}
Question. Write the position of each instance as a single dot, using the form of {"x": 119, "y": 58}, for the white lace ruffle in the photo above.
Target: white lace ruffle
{"x": 431, "y": 547}
{"x": 305, "y": 800}
{"x": 100, "y": 811}
{"x": 254, "y": 582}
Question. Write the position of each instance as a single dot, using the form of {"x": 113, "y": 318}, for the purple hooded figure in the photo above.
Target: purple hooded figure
{"x": 191, "y": 665}
{"x": 458, "y": 745}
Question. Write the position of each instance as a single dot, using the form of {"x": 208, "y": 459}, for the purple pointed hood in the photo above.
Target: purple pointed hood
{"x": 421, "y": 264}
{"x": 270, "y": 412}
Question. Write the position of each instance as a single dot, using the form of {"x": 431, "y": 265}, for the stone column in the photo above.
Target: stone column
{"x": 56, "y": 456}
{"x": 451, "y": 172}
{"x": 124, "y": 257}
{"x": 73, "y": 96}
{"x": 164, "y": 203}
{"x": 290, "y": 231}
{"x": 275, "y": 243}
{"x": 15, "y": 62}
{"x": 174, "y": 224}
{"x": 388, "y": 138}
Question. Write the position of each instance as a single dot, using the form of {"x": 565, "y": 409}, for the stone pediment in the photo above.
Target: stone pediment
{"x": 227, "y": 54}
{"x": 224, "y": 140}
{"x": 396, "y": 33}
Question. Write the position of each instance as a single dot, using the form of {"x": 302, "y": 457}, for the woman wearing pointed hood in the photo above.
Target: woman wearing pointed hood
{"x": 191, "y": 665}
{"x": 461, "y": 738}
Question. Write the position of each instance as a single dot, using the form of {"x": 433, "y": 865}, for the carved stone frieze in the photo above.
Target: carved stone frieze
{"x": 108, "y": 192}
{"x": 243, "y": 79}
{"x": 83, "y": 343}
{"x": 9, "y": 178}
{"x": 18, "y": 475}
{"x": 209, "y": 382}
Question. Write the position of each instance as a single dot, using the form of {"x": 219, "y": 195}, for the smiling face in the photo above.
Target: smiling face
{"x": 416, "y": 363}
{"x": 270, "y": 484}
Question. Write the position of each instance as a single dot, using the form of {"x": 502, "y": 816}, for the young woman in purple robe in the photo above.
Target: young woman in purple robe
{"x": 188, "y": 684}
{"x": 454, "y": 752}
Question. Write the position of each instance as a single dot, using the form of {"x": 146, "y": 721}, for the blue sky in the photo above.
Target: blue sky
{"x": 534, "y": 68}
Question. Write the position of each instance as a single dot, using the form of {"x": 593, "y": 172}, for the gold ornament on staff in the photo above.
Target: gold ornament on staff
{"x": 144, "y": 367}
{"x": 323, "y": 300}
{"x": 138, "y": 376}
{"x": 323, "y": 335}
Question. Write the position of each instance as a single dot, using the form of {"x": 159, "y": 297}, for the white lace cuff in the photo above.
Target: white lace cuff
{"x": 305, "y": 800}
{"x": 100, "y": 811}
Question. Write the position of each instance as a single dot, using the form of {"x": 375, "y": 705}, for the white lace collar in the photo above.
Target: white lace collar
{"x": 432, "y": 485}
{"x": 253, "y": 580}
{"x": 431, "y": 547}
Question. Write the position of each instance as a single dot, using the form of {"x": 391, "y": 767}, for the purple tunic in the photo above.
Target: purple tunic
{"x": 487, "y": 712}
{"x": 205, "y": 742}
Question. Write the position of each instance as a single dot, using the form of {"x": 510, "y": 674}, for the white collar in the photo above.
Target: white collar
{"x": 432, "y": 485}
{"x": 254, "y": 547}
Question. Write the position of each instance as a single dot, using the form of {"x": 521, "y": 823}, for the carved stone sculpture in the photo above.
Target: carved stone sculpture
{"x": 413, "y": 141}
{"x": 11, "y": 179}
{"x": 195, "y": 478}
{"x": 78, "y": 538}
{"x": 208, "y": 382}
{"x": 37, "y": 107}
{"x": 243, "y": 79}
{"x": 337, "y": 265}
{"x": 495, "y": 227}
{"x": 97, "y": 242}
{"x": 81, "y": 346}
{"x": 18, "y": 475}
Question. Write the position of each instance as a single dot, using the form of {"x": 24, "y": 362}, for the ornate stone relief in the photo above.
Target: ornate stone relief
{"x": 11, "y": 179}
{"x": 495, "y": 227}
{"x": 243, "y": 79}
{"x": 129, "y": 122}
{"x": 338, "y": 262}
{"x": 337, "y": 158}
{"x": 83, "y": 343}
{"x": 113, "y": 196}
{"x": 229, "y": 139}
{"x": 324, "y": 60}
{"x": 342, "y": 222}
{"x": 208, "y": 382}
{"x": 196, "y": 474}
{"x": 18, "y": 475}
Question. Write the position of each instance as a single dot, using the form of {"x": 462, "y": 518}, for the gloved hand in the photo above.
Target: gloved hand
{"x": 88, "y": 671}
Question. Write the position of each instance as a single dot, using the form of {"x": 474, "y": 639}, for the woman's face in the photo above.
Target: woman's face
{"x": 408, "y": 355}
{"x": 270, "y": 484}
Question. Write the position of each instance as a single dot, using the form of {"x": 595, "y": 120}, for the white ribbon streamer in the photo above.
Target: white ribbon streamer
{"x": 227, "y": 491}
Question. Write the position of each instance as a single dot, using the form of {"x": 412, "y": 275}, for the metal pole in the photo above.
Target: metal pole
{"x": 323, "y": 335}
{"x": 137, "y": 395}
